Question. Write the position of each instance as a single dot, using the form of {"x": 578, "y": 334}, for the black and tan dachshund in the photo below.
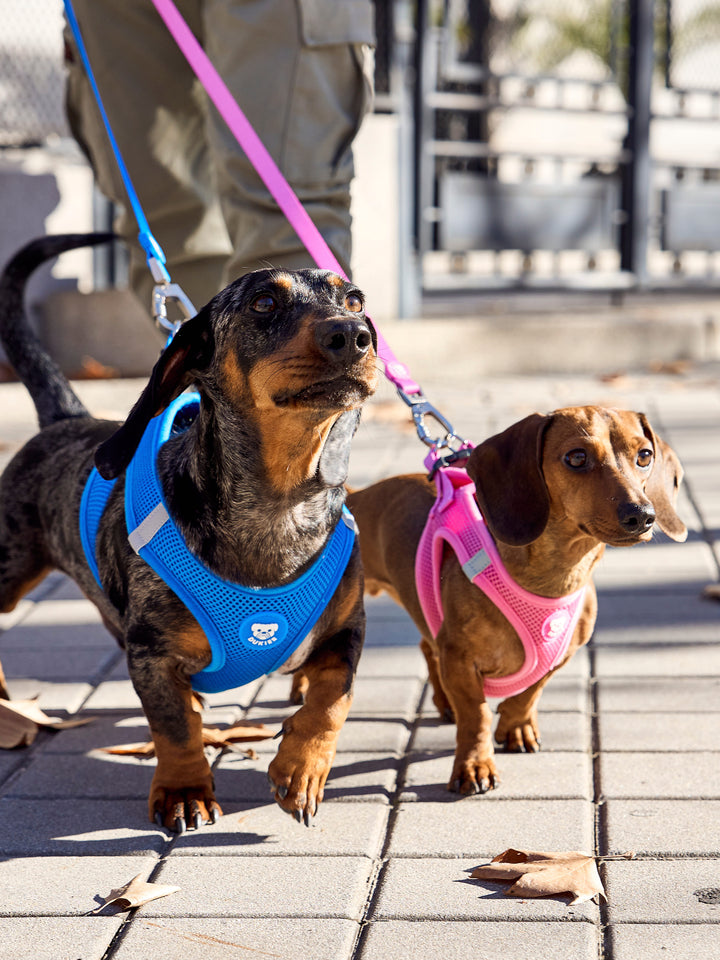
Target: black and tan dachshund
{"x": 282, "y": 362}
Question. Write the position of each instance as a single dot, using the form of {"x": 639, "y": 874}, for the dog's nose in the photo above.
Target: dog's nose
{"x": 636, "y": 517}
{"x": 343, "y": 341}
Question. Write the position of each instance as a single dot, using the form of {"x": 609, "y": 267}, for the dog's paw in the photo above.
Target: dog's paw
{"x": 297, "y": 777}
{"x": 178, "y": 809}
{"x": 472, "y": 775}
{"x": 518, "y": 737}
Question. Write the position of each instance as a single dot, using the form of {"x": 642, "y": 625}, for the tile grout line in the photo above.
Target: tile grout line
{"x": 381, "y": 861}
{"x": 599, "y": 805}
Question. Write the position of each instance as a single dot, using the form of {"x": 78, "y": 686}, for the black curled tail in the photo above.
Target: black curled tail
{"x": 52, "y": 395}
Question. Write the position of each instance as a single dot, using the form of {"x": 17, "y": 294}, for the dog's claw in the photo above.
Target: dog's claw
{"x": 180, "y": 825}
{"x": 159, "y": 818}
{"x": 214, "y": 814}
{"x": 197, "y": 820}
{"x": 282, "y": 792}
{"x": 297, "y": 815}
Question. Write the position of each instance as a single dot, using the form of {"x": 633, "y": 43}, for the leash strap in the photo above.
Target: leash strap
{"x": 164, "y": 289}
{"x": 269, "y": 172}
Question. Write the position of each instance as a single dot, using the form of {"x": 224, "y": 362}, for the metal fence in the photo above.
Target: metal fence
{"x": 31, "y": 72}
{"x": 568, "y": 143}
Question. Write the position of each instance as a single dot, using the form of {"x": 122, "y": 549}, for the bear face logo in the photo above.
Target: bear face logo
{"x": 263, "y": 632}
{"x": 263, "y": 629}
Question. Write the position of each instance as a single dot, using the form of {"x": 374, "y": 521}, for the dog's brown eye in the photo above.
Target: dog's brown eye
{"x": 353, "y": 303}
{"x": 264, "y": 303}
{"x": 644, "y": 458}
{"x": 576, "y": 459}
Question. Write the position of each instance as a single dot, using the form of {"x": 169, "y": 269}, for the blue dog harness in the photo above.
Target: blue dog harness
{"x": 251, "y": 630}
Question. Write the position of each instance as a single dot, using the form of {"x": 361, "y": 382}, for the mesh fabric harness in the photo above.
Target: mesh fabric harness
{"x": 251, "y": 630}
{"x": 545, "y": 625}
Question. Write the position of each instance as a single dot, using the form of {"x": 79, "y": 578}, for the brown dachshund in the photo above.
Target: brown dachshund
{"x": 282, "y": 362}
{"x": 554, "y": 490}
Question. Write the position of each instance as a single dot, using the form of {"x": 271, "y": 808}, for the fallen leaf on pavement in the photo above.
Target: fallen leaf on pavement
{"x": 545, "y": 874}
{"x": 135, "y": 894}
{"x": 20, "y": 721}
{"x": 212, "y": 737}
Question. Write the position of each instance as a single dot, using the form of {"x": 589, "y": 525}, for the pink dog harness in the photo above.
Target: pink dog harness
{"x": 545, "y": 625}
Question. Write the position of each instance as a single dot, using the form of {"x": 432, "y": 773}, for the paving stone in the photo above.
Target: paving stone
{"x": 264, "y": 887}
{"x": 522, "y": 776}
{"x": 78, "y": 827}
{"x": 10, "y": 761}
{"x": 443, "y": 890}
{"x": 659, "y": 731}
{"x": 470, "y": 827}
{"x": 396, "y": 697}
{"x": 114, "y": 728}
{"x": 660, "y": 775}
{"x": 374, "y": 735}
{"x": 392, "y": 661}
{"x": 661, "y": 941}
{"x": 655, "y": 617}
{"x": 651, "y": 891}
{"x": 338, "y": 829}
{"x": 51, "y": 697}
{"x": 353, "y": 777}
{"x": 94, "y": 775}
{"x": 56, "y": 624}
{"x": 659, "y": 561}
{"x": 563, "y": 693}
{"x": 65, "y": 886}
{"x": 469, "y": 940}
{"x": 659, "y": 694}
{"x": 664, "y": 660}
{"x": 558, "y": 731}
{"x": 50, "y": 938}
{"x": 201, "y": 938}
{"x": 663, "y": 827}
{"x": 42, "y": 665}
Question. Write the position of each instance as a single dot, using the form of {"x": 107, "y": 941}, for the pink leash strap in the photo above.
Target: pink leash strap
{"x": 269, "y": 173}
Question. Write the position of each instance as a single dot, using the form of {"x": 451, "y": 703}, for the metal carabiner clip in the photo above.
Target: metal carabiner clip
{"x": 163, "y": 291}
{"x": 420, "y": 407}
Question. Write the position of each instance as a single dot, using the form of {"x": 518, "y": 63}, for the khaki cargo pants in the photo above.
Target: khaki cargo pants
{"x": 301, "y": 72}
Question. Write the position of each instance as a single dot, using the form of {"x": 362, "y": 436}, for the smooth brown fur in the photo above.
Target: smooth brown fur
{"x": 554, "y": 490}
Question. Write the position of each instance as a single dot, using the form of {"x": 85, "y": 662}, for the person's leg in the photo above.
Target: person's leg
{"x": 301, "y": 73}
{"x": 158, "y": 116}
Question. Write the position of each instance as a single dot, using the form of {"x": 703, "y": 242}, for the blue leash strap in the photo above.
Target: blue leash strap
{"x": 147, "y": 241}
{"x": 164, "y": 288}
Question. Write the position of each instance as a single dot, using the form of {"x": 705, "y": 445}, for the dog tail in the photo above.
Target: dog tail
{"x": 50, "y": 390}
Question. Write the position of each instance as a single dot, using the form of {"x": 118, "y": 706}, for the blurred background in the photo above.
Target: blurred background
{"x": 522, "y": 154}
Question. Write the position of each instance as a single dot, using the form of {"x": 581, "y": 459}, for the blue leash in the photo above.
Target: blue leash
{"x": 164, "y": 289}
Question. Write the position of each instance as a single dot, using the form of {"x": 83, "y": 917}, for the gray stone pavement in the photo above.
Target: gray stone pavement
{"x": 630, "y": 762}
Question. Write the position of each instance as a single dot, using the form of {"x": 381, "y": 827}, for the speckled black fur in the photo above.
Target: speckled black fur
{"x": 244, "y": 522}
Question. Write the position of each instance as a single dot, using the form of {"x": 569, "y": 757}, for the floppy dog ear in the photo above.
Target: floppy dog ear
{"x": 335, "y": 458}
{"x": 189, "y": 351}
{"x": 664, "y": 484}
{"x": 509, "y": 483}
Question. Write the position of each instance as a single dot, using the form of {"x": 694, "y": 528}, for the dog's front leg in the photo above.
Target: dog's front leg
{"x": 298, "y": 773}
{"x": 474, "y": 769}
{"x": 182, "y": 790}
{"x": 517, "y": 728}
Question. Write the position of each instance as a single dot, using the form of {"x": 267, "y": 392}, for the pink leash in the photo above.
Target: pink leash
{"x": 269, "y": 172}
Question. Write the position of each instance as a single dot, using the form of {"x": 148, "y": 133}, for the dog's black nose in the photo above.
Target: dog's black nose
{"x": 636, "y": 517}
{"x": 343, "y": 341}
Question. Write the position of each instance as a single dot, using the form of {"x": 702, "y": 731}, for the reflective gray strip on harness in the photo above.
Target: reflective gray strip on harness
{"x": 144, "y": 532}
{"x": 476, "y": 564}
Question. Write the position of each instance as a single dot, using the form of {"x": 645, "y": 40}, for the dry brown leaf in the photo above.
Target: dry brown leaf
{"x": 20, "y": 721}
{"x": 136, "y": 893}
{"x": 545, "y": 874}
{"x": 212, "y": 737}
